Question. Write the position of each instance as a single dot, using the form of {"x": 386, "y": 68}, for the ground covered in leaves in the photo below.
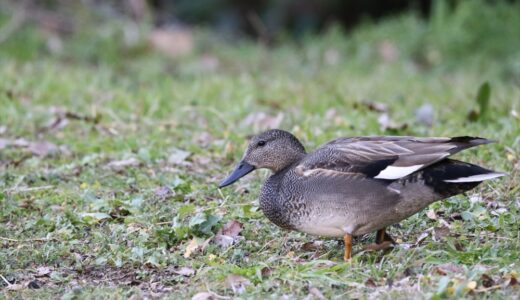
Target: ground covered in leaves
{"x": 111, "y": 151}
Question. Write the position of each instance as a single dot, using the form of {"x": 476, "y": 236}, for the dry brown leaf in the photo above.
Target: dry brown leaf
{"x": 370, "y": 283}
{"x": 440, "y": 232}
{"x": 332, "y": 56}
{"x": 375, "y": 106}
{"x": 43, "y": 148}
{"x": 388, "y": 51}
{"x": 386, "y": 123}
{"x": 184, "y": 271}
{"x": 314, "y": 291}
{"x": 425, "y": 115}
{"x": 444, "y": 269}
{"x": 203, "y": 139}
{"x": 201, "y": 159}
{"x": 15, "y": 287}
{"x": 487, "y": 281}
{"x": 178, "y": 156}
{"x": 377, "y": 247}
{"x": 42, "y": 271}
{"x": 4, "y": 143}
{"x": 421, "y": 237}
{"x": 266, "y": 271}
{"x": 431, "y": 214}
{"x": 120, "y": 165}
{"x": 162, "y": 192}
{"x": 312, "y": 246}
{"x": 193, "y": 245}
{"x": 260, "y": 121}
{"x": 172, "y": 42}
{"x": 203, "y": 296}
{"x": 40, "y": 148}
{"x": 471, "y": 285}
{"x": 228, "y": 234}
{"x": 237, "y": 283}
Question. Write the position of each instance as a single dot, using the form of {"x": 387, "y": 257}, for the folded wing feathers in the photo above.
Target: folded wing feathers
{"x": 411, "y": 154}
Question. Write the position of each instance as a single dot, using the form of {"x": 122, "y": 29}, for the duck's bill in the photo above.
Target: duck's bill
{"x": 240, "y": 171}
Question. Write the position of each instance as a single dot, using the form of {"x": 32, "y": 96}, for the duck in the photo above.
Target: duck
{"x": 354, "y": 186}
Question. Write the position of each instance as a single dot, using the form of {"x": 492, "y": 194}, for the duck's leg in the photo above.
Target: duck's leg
{"x": 382, "y": 236}
{"x": 348, "y": 246}
{"x": 383, "y": 241}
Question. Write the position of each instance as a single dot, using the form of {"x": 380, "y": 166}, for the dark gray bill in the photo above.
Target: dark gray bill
{"x": 240, "y": 171}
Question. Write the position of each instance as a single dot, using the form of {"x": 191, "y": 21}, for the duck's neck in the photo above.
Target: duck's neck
{"x": 270, "y": 201}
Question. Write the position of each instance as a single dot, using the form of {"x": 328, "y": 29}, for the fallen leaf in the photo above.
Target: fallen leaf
{"x": 4, "y": 143}
{"x": 119, "y": 165}
{"x": 431, "y": 214}
{"x": 312, "y": 246}
{"x": 203, "y": 296}
{"x": 421, "y": 237}
{"x": 193, "y": 246}
{"x": 388, "y": 51}
{"x": 314, "y": 291}
{"x": 208, "y": 63}
{"x": 203, "y": 139}
{"x": 178, "y": 156}
{"x": 425, "y": 114}
{"x": 370, "y": 283}
{"x": 201, "y": 160}
{"x": 332, "y": 56}
{"x": 440, "y": 232}
{"x": 237, "y": 283}
{"x": 375, "y": 106}
{"x": 40, "y": 148}
{"x": 266, "y": 271}
{"x": 162, "y": 192}
{"x": 232, "y": 228}
{"x": 42, "y": 271}
{"x": 444, "y": 269}
{"x": 377, "y": 247}
{"x": 172, "y": 42}
{"x": 386, "y": 123}
{"x": 228, "y": 234}
{"x": 43, "y": 148}
{"x": 184, "y": 271}
{"x": 487, "y": 281}
{"x": 471, "y": 285}
{"x": 260, "y": 121}
{"x": 15, "y": 287}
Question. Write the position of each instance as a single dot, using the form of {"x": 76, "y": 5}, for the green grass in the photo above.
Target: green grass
{"x": 96, "y": 227}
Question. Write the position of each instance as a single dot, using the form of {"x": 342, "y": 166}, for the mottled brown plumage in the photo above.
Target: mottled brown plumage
{"x": 354, "y": 186}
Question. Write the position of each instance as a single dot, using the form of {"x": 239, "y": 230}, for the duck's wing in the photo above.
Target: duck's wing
{"x": 389, "y": 157}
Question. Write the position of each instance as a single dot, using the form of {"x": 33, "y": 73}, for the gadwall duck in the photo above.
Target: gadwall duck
{"x": 354, "y": 186}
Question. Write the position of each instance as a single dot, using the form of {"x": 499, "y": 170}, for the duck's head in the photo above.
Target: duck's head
{"x": 274, "y": 149}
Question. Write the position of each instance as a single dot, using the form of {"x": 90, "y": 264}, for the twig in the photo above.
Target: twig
{"x": 27, "y": 240}
{"x": 483, "y": 290}
{"x": 163, "y": 223}
{"x": 28, "y": 189}
{"x": 8, "y": 283}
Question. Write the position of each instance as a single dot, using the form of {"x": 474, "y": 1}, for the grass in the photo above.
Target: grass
{"x": 114, "y": 208}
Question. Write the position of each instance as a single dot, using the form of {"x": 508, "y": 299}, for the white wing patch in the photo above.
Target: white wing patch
{"x": 393, "y": 172}
{"x": 476, "y": 178}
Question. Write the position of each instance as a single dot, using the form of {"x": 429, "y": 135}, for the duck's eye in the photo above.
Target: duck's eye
{"x": 261, "y": 143}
